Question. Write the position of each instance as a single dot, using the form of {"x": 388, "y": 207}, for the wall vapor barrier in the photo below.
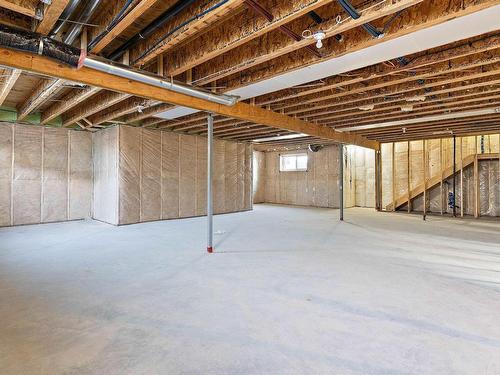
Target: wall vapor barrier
{"x": 145, "y": 175}
{"x": 318, "y": 186}
{"x": 407, "y": 165}
{"x": 45, "y": 174}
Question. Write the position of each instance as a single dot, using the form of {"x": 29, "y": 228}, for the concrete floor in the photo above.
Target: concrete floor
{"x": 291, "y": 291}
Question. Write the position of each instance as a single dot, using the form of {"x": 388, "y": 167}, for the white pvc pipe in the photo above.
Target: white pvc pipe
{"x": 210, "y": 152}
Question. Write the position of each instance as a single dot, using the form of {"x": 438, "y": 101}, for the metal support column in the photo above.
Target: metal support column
{"x": 210, "y": 156}
{"x": 341, "y": 182}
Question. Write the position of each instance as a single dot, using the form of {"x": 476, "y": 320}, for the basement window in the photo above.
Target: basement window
{"x": 293, "y": 162}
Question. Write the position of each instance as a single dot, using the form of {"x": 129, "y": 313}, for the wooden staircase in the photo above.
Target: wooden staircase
{"x": 434, "y": 181}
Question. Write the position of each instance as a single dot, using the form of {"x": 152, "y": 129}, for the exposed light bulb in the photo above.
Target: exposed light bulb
{"x": 319, "y": 43}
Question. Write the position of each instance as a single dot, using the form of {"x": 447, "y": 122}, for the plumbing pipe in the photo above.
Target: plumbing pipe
{"x": 170, "y": 13}
{"x": 76, "y": 28}
{"x": 157, "y": 81}
{"x": 66, "y": 14}
{"x": 210, "y": 163}
{"x": 341, "y": 182}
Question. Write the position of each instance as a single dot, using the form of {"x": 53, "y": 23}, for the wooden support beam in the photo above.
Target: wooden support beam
{"x": 9, "y": 83}
{"x": 45, "y": 90}
{"x": 43, "y": 65}
{"x": 51, "y": 14}
{"x": 69, "y": 101}
{"x": 26, "y": 8}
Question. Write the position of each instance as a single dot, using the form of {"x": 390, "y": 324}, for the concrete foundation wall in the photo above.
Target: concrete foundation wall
{"x": 45, "y": 174}
{"x": 162, "y": 175}
{"x": 318, "y": 186}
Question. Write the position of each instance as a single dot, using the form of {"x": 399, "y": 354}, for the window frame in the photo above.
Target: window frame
{"x": 296, "y": 155}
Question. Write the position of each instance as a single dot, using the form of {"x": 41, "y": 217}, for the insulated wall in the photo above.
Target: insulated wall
{"x": 154, "y": 175}
{"x": 318, "y": 186}
{"x": 45, "y": 174}
{"x": 406, "y": 164}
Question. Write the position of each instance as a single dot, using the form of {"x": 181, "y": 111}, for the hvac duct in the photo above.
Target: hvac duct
{"x": 133, "y": 75}
{"x": 35, "y": 43}
{"x": 76, "y": 28}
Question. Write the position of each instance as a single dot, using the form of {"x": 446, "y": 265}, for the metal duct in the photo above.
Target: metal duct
{"x": 76, "y": 28}
{"x": 133, "y": 75}
{"x": 28, "y": 41}
{"x": 66, "y": 14}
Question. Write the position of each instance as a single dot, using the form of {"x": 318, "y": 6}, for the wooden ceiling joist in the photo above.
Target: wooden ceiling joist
{"x": 51, "y": 14}
{"x": 142, "y": 7}
{"x": 23, "y": 7}
{"x": 133, "y": 104}
{"x": 44, "y": 91}
{"x": 277, "y": 44}
{"x": 69, "y": 101}
{"x": 8, "y": 83}
{"x": 414, "y": 19}
{"x": 184, "y": 26}
{"x": 102, "y": 101}
{"x": 235, "y": 32}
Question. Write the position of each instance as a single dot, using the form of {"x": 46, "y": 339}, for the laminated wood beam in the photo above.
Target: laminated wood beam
{"x": 173, "y": 33}
{"x": 69, "y": 101}
{"x": 278, "y": 44}
{"x": 51, "y": 14}
{"x": 45, "y": 90}
{"x": 8, "y": 84}
{"x": 236, "y": 32}
{"x": 43, "y": 65}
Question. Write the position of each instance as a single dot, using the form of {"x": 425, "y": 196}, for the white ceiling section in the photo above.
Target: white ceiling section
{"x": 457, "y": 29}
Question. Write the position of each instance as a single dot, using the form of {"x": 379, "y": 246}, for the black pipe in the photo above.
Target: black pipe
{"x": 35, "y": 43}
{"x": 355, "y": 15}
{"x": 166, "y": 16}
{"x": 111, "y": 25}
